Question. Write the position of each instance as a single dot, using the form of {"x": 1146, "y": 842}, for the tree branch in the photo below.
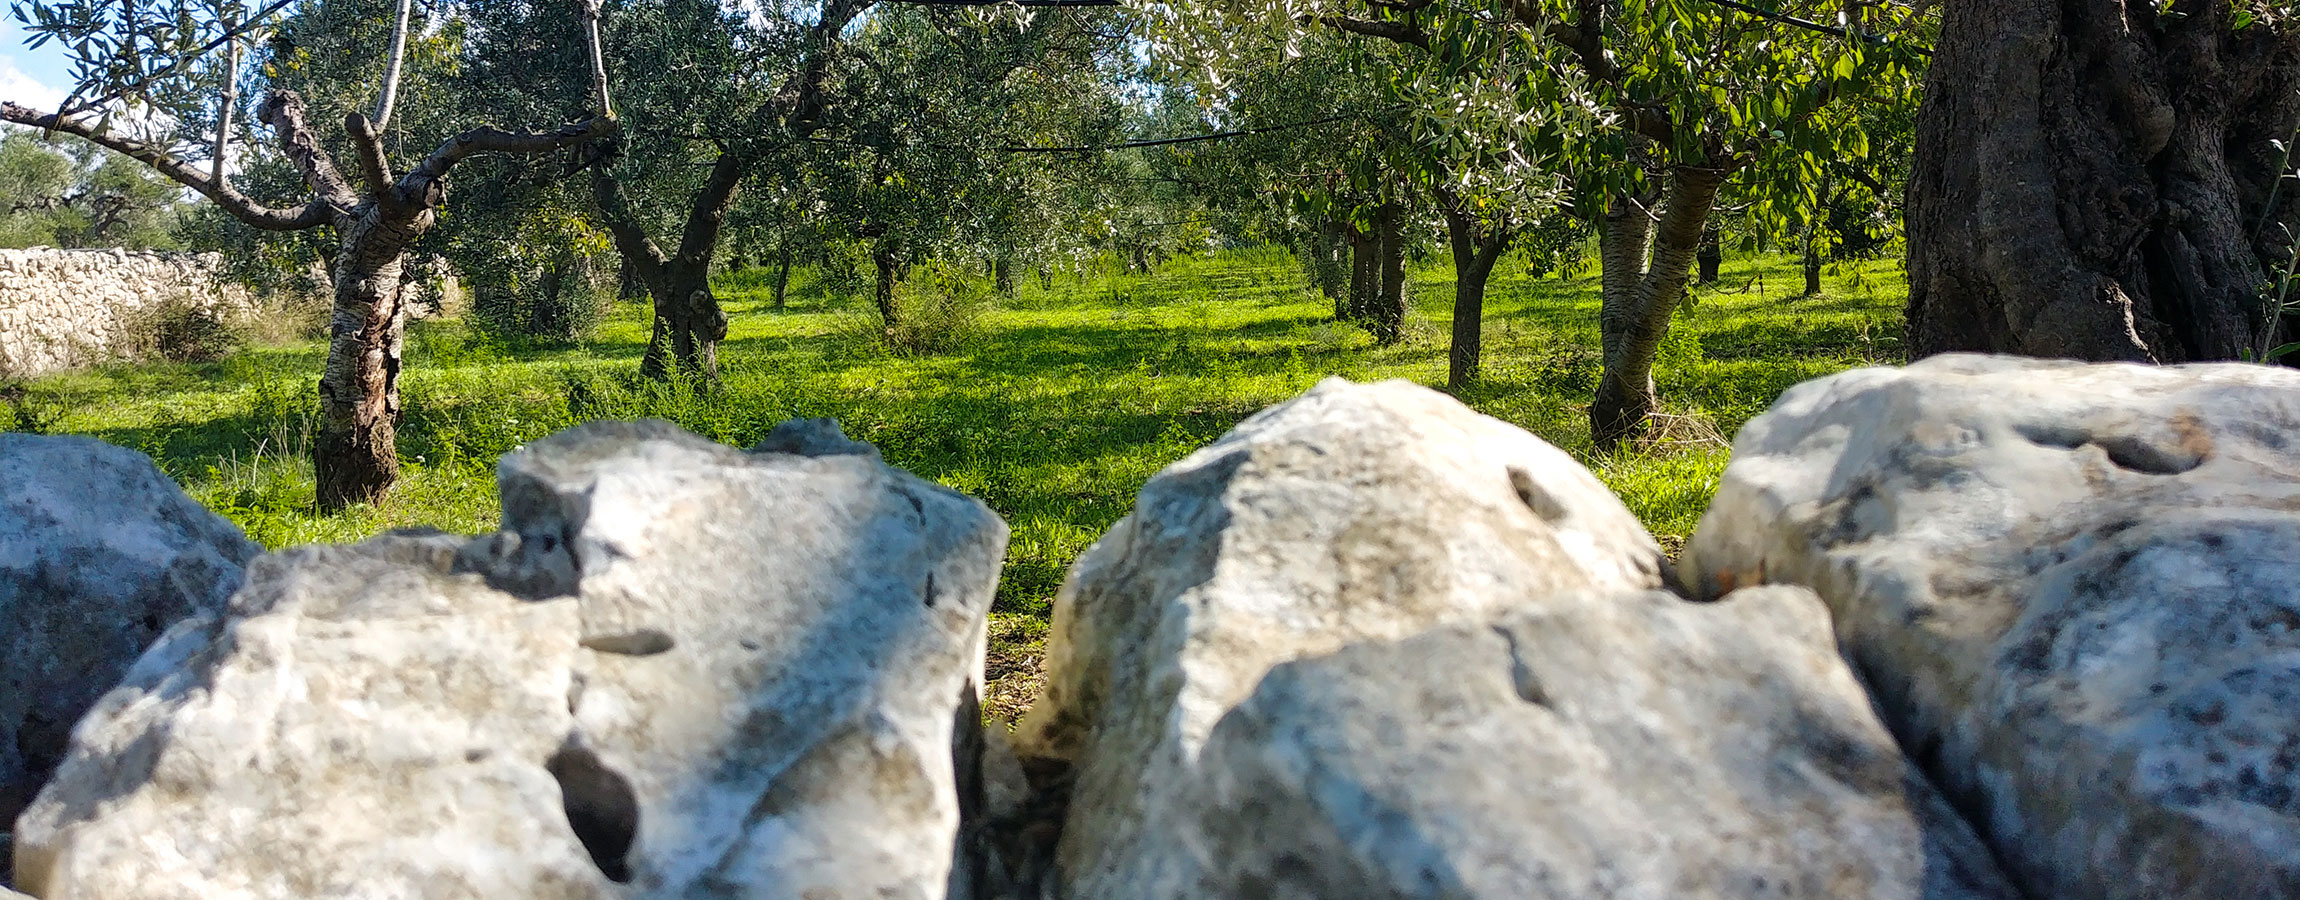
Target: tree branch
{"x": 631, "y": 239}
{"x": 1401, "y": 32}
{"x": 598, "y": 59}
{"x": 232, "y": 201}
{"x": 374, "y": 170}
{"x": 283, "y": 111}
{"x": 390, "y": 92}
{"x": 224, "y": 107}
{"x": 711, "y": 205}
{"x": 421, "y": 184}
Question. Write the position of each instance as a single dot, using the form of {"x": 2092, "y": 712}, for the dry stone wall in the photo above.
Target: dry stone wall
{"x": 1973, "y": 629}
{"x": 65, "y": 308}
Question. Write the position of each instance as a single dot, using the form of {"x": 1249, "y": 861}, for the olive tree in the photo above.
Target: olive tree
{"x": 159, "y": 83}
{"x": 1685, "y": 95}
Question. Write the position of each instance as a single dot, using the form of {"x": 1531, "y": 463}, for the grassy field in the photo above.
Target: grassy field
{"x": 1070, "y": 396}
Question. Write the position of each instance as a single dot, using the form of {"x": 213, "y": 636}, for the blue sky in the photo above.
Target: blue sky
{"x": 30, "y": 77}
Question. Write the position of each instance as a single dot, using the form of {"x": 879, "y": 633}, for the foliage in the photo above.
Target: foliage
{"x": 180, "y": 328}
{"x": 940, "y": 310}
{"x": 545, "y": 274}
{"x": 71, "y": 194}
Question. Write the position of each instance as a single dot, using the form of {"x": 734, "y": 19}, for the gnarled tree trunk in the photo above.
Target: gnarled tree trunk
{"x": 2092, "y": 180}
{"x": 355, "y": 456}
{"x": 688, "y": 322}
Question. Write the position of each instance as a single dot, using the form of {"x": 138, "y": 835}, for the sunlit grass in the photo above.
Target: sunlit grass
{"x": 1077, "y": 392}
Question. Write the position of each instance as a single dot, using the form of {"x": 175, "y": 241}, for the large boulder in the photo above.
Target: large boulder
{"x": 679, "y": 671}
{"x": 1606, "y": 744}
{"x": 99, "y": 553}
{"x": 1353, "y": 512}
{"x": 364, "y": 724}
{"x": 2074, "y": 591}
{"x": 779, "y": 649}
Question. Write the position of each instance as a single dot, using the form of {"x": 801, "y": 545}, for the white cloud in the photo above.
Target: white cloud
{"x": 24, "y": 90}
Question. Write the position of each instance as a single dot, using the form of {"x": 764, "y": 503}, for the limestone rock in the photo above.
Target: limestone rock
{"x": 1353, "y": 512}
{"x": 363, "y": 725}
{"x": 2074, "y": 591}
{"x": 99, "y": 553}
{"x": 680, "y": 671}
{"x": 777, "y": 650}
{"x": 1623, "y": 745}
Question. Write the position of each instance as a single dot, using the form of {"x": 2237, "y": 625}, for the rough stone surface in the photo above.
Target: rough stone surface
{"x": 363, "y": 724}
{"x": 2074, "y": 592}
{"x": 1352, "y": 512}
{"x": 680, "y": 671}
{"x": 66, "y": 308}
{"x": 777, "y": 648}
{"x": 99, "y": 553}
{"x": 1622, "y": 745}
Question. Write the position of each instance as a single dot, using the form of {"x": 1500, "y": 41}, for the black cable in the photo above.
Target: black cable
{"x": 1807, "y": 24}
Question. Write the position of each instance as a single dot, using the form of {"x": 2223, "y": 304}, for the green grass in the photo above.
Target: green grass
{"x": 1072, "y": 396}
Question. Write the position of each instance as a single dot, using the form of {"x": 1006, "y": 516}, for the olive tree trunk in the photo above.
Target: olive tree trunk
{"x": 1638, "y": 299}
{"x": 1476, "y": 246}
{"x": 1387, "y": 314}
{"x": 355, "y": 456}
{"x": 782, "y": 274}
{"x": 2093, "y": 180}
{"x": 1812, "y": 261}
{"x": 882, "y": 293}
{"x": 1712, "y": 254}
{"x": 1363, "y": 275}
{"x": 688, "y": 322}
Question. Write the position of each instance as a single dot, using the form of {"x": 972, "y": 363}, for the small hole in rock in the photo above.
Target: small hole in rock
{"x": 2125, "y": 451}
{"x": 601, "y": 808}
{"x": 2065, "y": 437}
{"x": 643, "y": 642}
{"x": 1535, "y": 497}
{"x": 2132, "y": 453}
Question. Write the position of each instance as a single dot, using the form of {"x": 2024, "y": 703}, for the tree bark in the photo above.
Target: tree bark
{"x": 882, "y": 294}
{"x": 355, "y": 456}
{"x": 1812, "y": 261}
{"x": 1362, "y": 275}
{"x": 1712, "y": 254}
{"x": 1388, "y": 313}
{"x": 1476, "y": 247}
{"x": 2094, "y": 180}
{"x": 782, "y": 274}
{"x": 1638, "y": 302}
